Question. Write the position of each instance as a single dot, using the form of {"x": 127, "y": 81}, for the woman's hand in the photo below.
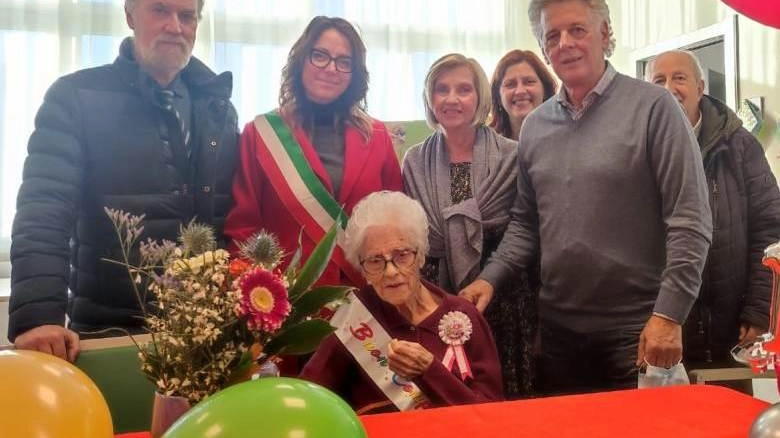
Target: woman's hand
{"x": 408, "y": 359}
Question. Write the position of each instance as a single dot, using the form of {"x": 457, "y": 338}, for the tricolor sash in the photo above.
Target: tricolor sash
{"x": 367, "y": 341}
{"x": 298, "y": 187}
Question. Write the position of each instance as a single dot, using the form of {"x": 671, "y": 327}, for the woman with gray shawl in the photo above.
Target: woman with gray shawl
{"x": 465, "y": 177}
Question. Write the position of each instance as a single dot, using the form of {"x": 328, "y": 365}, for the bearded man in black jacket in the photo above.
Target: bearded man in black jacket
{"x": 153, "y": 133}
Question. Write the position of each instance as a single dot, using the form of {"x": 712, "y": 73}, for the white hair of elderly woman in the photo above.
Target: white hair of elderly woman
{"x": 385, "y": 208}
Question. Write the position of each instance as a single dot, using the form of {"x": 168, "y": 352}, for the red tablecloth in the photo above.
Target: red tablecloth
{"x": 690, "y": 411}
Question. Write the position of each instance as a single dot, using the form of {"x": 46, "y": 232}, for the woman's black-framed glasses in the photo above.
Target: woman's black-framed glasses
{"x": 401, "y": 258}
{"x": 322, "y": 59}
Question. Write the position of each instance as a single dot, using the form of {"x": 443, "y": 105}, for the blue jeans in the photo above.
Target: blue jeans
{"x": 573, "y": 363}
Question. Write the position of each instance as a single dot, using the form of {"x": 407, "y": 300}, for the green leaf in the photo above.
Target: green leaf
{"x": 295, "y": 261}
{"x": 316, "y": 264}
{"x": 313, "y": 300}
{"x": 301, "y": 338}
{"x": 246, "y": 360}
{"x": 243, "y": 365}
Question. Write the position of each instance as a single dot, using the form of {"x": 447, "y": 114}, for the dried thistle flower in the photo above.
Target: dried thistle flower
{"x": 263, "y": 249}
{"x": 197, "y": 238}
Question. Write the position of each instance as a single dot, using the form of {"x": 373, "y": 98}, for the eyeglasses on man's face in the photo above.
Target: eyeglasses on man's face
{"x": 322, "y": 59}
{"x": 401, "y": 258}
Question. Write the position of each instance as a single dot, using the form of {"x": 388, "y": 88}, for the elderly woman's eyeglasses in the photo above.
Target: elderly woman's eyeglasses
{"x": 322, "y": 59}
{"x": 401, "y": 258}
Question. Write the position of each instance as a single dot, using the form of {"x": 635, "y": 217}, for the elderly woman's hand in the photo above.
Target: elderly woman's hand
{"x": 408, "y": 359}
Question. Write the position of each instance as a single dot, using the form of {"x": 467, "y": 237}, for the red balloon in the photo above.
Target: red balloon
{"x": 763, "y": 11}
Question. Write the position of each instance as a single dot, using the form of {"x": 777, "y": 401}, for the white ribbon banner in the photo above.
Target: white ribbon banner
{"x": 367, "y": 341}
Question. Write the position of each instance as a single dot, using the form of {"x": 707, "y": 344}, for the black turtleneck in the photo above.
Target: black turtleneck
{"x": 325, "y": 126}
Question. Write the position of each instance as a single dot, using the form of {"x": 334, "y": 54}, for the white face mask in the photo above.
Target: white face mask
{"x": 652, "y": 377}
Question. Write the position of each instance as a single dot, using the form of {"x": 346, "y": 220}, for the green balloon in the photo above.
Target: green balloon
{"x": 270, "y": 407}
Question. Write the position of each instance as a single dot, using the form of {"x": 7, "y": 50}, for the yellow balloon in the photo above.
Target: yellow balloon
{"x": 42, "y": 396}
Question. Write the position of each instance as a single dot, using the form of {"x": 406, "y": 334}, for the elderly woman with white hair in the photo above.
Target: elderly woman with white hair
{"x": 402, "y": 343}
{"x": 465, "y": 177}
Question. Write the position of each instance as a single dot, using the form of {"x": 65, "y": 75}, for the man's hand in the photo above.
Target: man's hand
{"x": 50, "y": 339}
{"x": 479, "y": 292}
{"x": 408, "y": 359}
{"x": 748, "y": 334}
{"x": 660, "y": 343}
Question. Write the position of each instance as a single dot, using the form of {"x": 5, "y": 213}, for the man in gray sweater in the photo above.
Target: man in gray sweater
{"x": 612, "y": 197}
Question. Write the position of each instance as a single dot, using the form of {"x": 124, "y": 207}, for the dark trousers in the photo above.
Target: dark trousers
{"x": 574, "y": 363}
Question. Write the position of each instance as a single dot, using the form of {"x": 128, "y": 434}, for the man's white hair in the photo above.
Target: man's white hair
{"x": 697, "y": 68}
{"x": 386, "y": 208}
{"x": 130, "y": 4}
{"x": 599, "y": 7}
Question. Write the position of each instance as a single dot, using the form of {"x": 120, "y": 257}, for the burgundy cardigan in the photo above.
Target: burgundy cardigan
{"x": 333, "y": 367}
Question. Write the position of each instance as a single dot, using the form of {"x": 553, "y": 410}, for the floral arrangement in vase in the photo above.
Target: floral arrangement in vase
{"x": 212, "y": 317}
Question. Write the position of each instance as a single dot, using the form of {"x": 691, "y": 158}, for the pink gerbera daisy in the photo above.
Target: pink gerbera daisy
{"x": 263, "y": 300}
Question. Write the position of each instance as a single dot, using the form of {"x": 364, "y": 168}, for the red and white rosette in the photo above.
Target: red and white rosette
{"x": 455, "y": 330}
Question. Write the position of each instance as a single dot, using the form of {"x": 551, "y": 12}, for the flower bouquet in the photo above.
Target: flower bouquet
{"x": 212, "y": 317}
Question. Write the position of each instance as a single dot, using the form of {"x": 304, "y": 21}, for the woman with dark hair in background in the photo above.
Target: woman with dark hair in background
{"x": 311, "y": 160}
{"x": 520, "y": 83}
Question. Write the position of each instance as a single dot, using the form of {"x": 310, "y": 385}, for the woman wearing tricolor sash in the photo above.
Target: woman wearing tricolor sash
{"x": 402, "y": 343}
{"x": 308, "y": 163}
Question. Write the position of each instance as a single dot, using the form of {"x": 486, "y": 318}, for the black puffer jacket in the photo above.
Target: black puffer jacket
{"x": 101, "y": 139}
{"x": 745, "y": 202}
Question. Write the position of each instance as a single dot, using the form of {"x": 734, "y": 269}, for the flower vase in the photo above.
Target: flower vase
{"x": 165, "y": 411}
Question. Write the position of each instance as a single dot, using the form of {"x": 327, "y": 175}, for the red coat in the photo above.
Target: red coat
{"x": 368, "y": 167}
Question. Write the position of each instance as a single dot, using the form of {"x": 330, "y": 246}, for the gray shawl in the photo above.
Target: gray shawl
{"x": 456, "y": 231}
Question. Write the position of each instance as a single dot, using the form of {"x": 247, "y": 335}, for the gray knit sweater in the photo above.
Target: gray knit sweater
{"x": 616, "y": 202}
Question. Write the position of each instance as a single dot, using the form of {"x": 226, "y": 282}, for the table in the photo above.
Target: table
{"x": 695, "y": 411}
